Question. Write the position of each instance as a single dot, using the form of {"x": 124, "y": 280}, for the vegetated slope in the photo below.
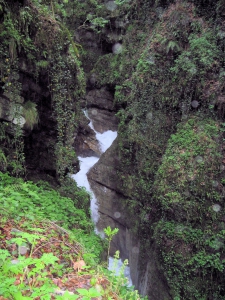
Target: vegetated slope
{"x": 169, "y": 81}
{"x": 40, "y": 259}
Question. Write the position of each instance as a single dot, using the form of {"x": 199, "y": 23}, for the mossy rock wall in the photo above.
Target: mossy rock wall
{"x": 169, "y": 80}
{"x": 40, "y": 69}
{"x": 190, "y": 193}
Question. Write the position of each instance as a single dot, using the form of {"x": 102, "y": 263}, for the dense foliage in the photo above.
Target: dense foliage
{"x": 39, "y": 201}
{"x": 44, "y": 242}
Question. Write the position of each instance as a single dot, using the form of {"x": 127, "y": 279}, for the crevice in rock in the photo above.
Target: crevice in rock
{"x": 105, "y": 185}
{"x": 114, "y": 219}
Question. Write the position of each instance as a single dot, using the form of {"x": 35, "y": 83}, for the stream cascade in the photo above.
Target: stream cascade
{"x": 104, "y": 141}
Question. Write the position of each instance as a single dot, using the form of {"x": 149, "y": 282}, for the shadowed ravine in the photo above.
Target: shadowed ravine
{"x": 104, "y": 140}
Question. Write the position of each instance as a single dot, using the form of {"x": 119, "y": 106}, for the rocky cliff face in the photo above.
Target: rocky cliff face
{"x": 163, "y": 177}
{"x": 103, "y": 178}
{"x": 99, "y": 106}
{"x": 39, "y": 109}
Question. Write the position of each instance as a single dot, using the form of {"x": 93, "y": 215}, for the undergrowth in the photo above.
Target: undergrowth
{"x": 48, "y": 249}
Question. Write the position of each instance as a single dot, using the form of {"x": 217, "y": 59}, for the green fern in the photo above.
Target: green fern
{"x": 42, "y": 64}
{"x": 30, "y": 114}
{"x": 3, "y": 160}
{"x": 173, "y": 46}
{"x": 170, "y": 45}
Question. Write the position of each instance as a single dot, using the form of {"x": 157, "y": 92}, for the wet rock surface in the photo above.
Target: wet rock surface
{"x": 103, "y": 180}
{"x": 101, "y": 98}
{"x": 100, "y": 104}
{"x": 86, "y": 143}
{"x": 103, "y": 120}
{"x": 100, "y": 108}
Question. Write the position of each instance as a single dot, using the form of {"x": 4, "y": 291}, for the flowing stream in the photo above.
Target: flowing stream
{"x": 105, "y": 140}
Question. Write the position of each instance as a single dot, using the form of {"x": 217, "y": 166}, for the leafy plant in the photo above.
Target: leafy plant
{"x": 97, "y": 21}
{"x": 3, "y": 160}
{"x": 30, "y": 114}
{"x": 42, "y": 64}
{"x": 89, "y": 294}
{"x": 26, "y": 198}
{"x": 37, "y": 262}
{"x": 109, "y": 236}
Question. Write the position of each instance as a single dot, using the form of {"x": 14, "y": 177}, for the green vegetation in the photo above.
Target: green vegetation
{"x": 19, "y": 199}
{"x": 169, "y": 87}
{"x": 34, "y": 42}
{"x": 109, "y": 235}
{"x": 191, "y": 151}
{"x": 30, "y": 114}
{"x": 190, "y": 234}
{"x": 44, "y": 240}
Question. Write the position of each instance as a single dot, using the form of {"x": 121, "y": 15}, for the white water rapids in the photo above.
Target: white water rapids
{"x": 105, "y": 140}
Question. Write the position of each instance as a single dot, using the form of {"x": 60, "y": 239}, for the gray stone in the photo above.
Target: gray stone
{"x": 15, "y": 230}
{"x": 103, "y": 120}
{"x": 86, "y": 143}
{"x": 111, "y": 5}
{"x": 22, "y": 250}
{"x": 194, "y": 103}
{"x": 100, "y": 98}
{"x": 11, "y": 111}
{"x": 216, "y": 207}
{"x": 117, "y": 48}
{"x": 144, "y": 267}
{"x": 15, "y": 261}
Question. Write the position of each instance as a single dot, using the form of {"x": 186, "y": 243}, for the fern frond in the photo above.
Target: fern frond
{"x": 30, "y": 114}
{"x": 173, "y": 46}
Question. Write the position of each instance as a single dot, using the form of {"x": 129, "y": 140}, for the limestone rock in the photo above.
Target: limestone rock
{"x": 104, "y": 172}
{"x": 101, "y": 109}
{"x": 11, "y": 111}
{"x": 144, "y": 267}
{"x": 103, "y": 120}
{"x": 100, "y": 98}
{"x": 23, "y": 249}
{"x": 15, "y": 261}
{"x": 86, "y": 143}
{"x": 103, "y": 178}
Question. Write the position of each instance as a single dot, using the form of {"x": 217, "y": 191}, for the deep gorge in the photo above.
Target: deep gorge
{"x": 154, "y": 70}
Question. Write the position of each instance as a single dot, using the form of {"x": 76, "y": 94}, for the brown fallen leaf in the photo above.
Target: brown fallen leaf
{"x": 58, "y": 282}
{"x": 78, "y": 265}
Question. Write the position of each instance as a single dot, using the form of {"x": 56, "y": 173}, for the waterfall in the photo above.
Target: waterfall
{"x": 81, "y": 179}
{"x": 105, "y": 140}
